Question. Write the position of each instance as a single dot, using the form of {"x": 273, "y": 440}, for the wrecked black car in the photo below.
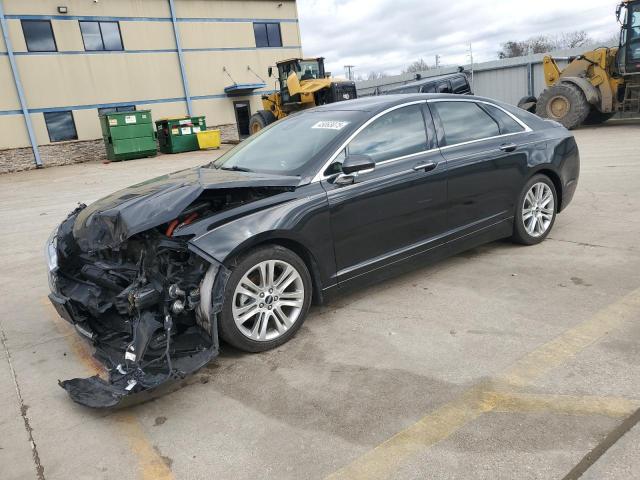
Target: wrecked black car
{"x": 326, "y": 199}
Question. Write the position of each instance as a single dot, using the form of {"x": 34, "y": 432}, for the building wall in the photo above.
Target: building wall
{"x": 214, "y": 34}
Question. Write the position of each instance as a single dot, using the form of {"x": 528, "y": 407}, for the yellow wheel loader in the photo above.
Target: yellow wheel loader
{"x": 302, "y": 83}
{"x": 597, "y": 84}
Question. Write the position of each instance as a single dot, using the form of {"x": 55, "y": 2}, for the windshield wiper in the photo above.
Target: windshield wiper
{"x": 236, "y": 168}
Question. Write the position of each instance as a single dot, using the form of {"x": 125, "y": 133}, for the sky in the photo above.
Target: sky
{"x": 387, "y": 35}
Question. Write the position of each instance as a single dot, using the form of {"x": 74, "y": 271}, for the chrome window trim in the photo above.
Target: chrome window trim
{"x": 320, "y": 175}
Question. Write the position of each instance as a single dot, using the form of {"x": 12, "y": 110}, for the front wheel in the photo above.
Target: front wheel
{"x": 564, "y": 103}
{"x": 536, "y": 211}
{"x": 259, "y": 120}
{"x": 266, "y": 299}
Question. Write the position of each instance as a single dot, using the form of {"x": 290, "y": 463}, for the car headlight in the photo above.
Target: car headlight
{"x": 51, "y": 254}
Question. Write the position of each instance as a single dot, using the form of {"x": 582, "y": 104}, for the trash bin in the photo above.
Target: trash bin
{"x": 128, "y": 135}
{"x": 179, "y": 134}
{"x": 208, "y": 139}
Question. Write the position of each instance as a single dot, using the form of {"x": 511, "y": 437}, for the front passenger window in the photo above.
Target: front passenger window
{"x": 395, "y": 134}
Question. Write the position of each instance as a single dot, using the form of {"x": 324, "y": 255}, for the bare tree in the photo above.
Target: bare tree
{"x": 418, "y": 66}
{"x": 544, "y": 44}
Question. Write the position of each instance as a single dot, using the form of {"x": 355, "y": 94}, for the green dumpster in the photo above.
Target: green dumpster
{"x": 128, "y": 135}
{"x": 179, "y": 134}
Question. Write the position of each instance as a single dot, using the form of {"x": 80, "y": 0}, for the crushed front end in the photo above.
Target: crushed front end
{"x": 148, "y": 304}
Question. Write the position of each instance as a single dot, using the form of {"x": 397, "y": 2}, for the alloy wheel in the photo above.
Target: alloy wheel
{"x": 268, "y": 300}
{"x": 538, "y": 209}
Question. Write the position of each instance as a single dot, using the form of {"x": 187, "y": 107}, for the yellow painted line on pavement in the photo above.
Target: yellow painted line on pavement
{"x": 150, "y": 464}
{"x": 616, "y": 407}
{"x": 384, "y": 459}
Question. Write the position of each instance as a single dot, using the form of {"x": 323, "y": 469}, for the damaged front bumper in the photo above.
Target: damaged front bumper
{"x": 152, "y": 321}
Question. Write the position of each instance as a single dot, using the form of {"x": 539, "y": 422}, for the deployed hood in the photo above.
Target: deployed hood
{"x": 111, "y": 220}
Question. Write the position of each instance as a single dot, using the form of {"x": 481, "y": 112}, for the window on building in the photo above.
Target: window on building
{"x": 124, "y": 108}
{"x": 465, "y": 121}
{"x": 267, "y": 35}
{"x": 101, "y": 36}
{"x": 38, "y": 36}
{"x": 395, "y": 134}
{"x": 60, "y": 126}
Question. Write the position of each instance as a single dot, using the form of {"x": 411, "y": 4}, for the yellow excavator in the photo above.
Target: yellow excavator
{"x": 302, "y": 83}
{"x": 597, "y": 84}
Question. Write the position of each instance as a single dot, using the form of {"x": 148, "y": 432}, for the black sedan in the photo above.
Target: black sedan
{"x": 327, "y": 199}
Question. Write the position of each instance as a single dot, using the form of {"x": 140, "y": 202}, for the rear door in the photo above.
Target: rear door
{"x": 392, "y": 211}
{"x": 485, "y": 161}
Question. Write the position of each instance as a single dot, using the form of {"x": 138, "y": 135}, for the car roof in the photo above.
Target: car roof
{"x": 382, "y": 102}
{"x": 424, "y": 81}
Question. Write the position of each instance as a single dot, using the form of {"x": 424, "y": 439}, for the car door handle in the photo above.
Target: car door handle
{"x": 508, "y": 147}
{"x": 427, "y": 167}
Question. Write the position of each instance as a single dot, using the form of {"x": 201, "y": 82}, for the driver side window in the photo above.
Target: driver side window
{"x": 395, "y": 134}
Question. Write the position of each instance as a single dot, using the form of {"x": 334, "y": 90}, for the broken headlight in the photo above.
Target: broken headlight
{"x": 51, "y": 254}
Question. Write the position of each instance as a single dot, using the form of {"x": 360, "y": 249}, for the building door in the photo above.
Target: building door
{"x": 243, "y": 114}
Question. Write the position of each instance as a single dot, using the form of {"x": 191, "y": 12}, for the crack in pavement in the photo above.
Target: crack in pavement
{"x": 23, "y": 409}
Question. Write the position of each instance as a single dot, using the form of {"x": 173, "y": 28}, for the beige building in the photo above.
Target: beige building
{"x": 67, "y": 60}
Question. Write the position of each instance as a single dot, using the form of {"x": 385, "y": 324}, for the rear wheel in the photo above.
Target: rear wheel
{"x": 528, "y": 103}
{"x": 564, "y": 103}
{"x": 536, "y": 211}
{"x": 259, "y": 120}
{"x": 266, "y": 300}
{"x": 597, "y": 117}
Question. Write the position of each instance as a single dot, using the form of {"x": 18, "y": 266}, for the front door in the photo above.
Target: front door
{"x": 243, "y": 114}
{"x": 392, "y": 212}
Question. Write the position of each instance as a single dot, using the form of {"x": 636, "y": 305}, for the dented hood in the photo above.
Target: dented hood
{"x": 111, "y": 220}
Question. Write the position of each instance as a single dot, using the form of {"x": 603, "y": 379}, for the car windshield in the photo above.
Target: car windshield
{"x": 289, "y": 145}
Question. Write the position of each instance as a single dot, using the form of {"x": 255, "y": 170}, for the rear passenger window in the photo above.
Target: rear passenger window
{"x": 431, "y": 88}
{"x": 464, "y": 122}
{"x": 444, "y": 88}
{"x": 506, "y": 123}
{"x": 395, "y": 134}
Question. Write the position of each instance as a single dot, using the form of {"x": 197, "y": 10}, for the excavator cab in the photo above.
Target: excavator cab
{"x": 304, "y": 69}
{"x": 628, "y": 14}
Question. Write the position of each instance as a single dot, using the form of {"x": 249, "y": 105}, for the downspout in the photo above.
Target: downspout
{"x": 183, "y": 72}
{"x": 18, "y": 84}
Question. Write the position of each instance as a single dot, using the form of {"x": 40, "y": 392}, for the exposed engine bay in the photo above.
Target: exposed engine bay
{"x": 146, "y": 301}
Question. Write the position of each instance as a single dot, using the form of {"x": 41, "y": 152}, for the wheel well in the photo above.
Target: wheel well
{"x": 555, "y": 178}
{"x": 306, "y": 256}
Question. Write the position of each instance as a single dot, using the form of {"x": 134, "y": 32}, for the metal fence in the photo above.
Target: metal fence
{"x": 506, "y": 80}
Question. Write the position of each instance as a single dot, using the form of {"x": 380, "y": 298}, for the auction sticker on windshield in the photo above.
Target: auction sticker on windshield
{"x": 331, "y": 125}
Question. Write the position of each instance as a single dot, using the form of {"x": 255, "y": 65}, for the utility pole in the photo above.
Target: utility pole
{"x": 437, "y": 61}
{"x": 349, "y": 69}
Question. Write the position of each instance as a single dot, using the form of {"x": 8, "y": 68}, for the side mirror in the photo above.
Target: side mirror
{"x": 357, "y": 164}
{"x": 270, "y": 71}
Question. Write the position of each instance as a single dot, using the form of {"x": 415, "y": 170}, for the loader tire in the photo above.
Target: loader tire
{"x": 528, "y": 103}
{"x": 564, "y": 103}
{"x": 259, "y": 120}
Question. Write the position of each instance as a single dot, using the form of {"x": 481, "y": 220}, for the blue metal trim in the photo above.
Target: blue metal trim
{"x": 92, "y": 18}
{"x": 161, "y": 50}
{"x": 122, "y": 104}
{"x": 183, "y": 71}
{"x": 18, "y": 84}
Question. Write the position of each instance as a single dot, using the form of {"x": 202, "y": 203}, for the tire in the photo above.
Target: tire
{"x": 597, "y": 117}
{"x": 522, "y": 232}
{"x": 528, "y": 103}
{"x": 259, "y": 120}
{"x": 265, "y": 320}
{"x": 564, "y": 103}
